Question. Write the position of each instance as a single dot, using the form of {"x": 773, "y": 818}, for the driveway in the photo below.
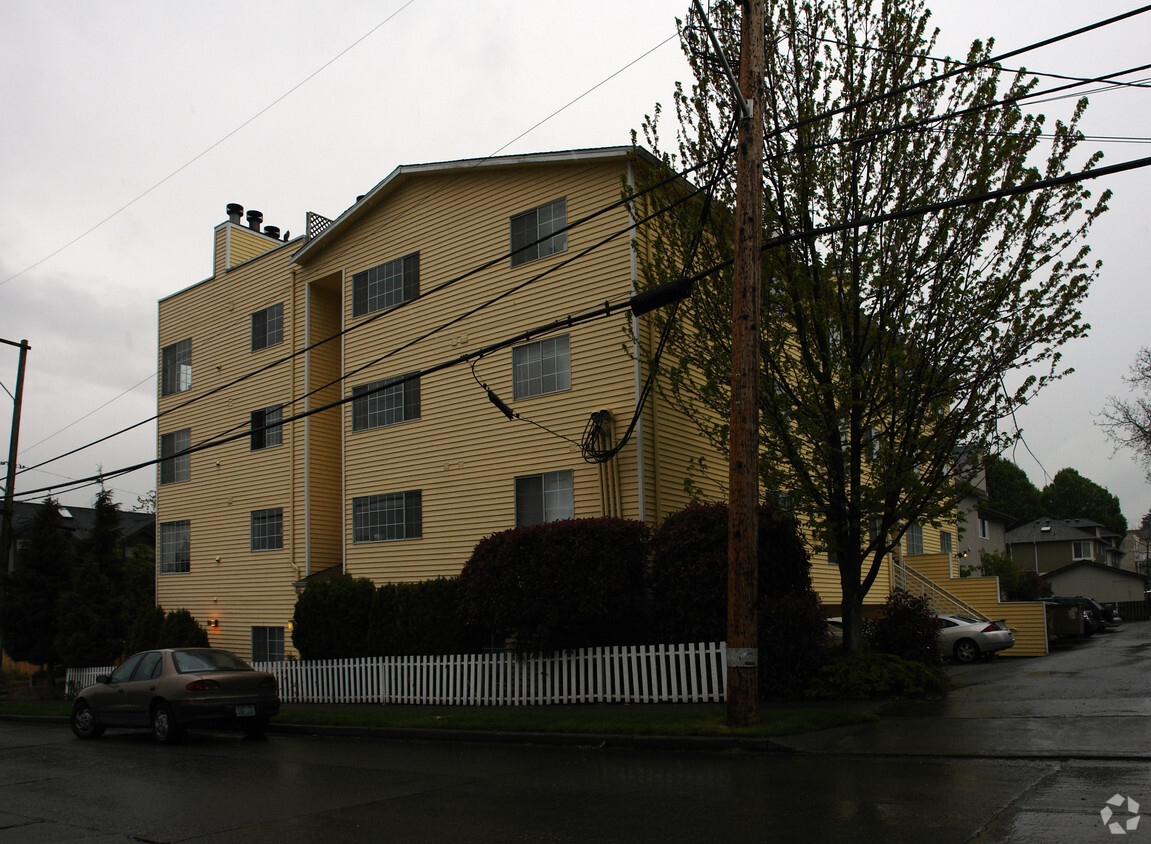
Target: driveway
{"x": 1090, "y": 700}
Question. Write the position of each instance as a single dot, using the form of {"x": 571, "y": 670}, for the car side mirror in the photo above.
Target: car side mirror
{"x": 102, "y": 678}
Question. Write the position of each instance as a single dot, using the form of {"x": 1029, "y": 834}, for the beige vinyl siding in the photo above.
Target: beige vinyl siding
{"x": 227, "y": 581}
{"x": 462, "y": 453}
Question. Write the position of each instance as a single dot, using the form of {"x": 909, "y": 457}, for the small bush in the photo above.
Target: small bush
{"x": 792, "y": 640}
{"x": 180, "y": 630}
{"x": 416, "y": 618}
{"x": 907, "y": 627}
{"x": 332, "y": 618}
{"x": 144, "y": 634}
{"x": 872, "y": 676}
{"x": 567, "y": 584}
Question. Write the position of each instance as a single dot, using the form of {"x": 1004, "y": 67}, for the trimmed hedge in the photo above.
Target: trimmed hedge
{"x": 332, "y": 617}
{"x": 872, "y": 676}
{"x": 566, "y": 584}
{"x": 416, "y": 618}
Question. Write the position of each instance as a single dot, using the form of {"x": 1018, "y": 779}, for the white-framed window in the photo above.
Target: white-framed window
{"x": 544, "y": 498}
{"x": 268, "y": 327}
{"x": 388, "y": 517}
{"x": 175, "y": 547}
{"x": 914, "y": 540}
{"x": 386, "y": 285}
{"x": 984, "y": 528}
{"x": 1082, "y": 550}
{"x": 944, "y": 542}
{"x": 536, "y": 233}
{"x": 267, "y": 431}
{"x": 267, "y": 644}
{"x": 175, "y": 469}
{"x": 268, "y": 529}
{"x": 176, "y": 368}
{"x": 385, "y": 402}
{"x": 541, "y": 367}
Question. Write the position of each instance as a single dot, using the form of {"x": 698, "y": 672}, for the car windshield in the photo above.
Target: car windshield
{"x": 189, "y": 662}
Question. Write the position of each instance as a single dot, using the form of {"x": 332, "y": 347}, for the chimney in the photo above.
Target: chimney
{"x": 272, "y": 231}
{"x": 254, "y": 220}
{"x": 235, "y": 212}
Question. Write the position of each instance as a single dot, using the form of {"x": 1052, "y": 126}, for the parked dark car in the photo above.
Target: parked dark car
{"x": 170, "y": 690}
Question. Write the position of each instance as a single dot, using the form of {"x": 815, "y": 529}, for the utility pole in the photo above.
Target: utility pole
{"x": 743, "y": 458}
{"x": 9, "y": 486}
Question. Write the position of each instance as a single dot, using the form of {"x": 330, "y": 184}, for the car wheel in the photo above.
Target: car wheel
{"x": 164, "y": 728}
{"x": 966, "y": 651}
{"x": 84, "y": 723}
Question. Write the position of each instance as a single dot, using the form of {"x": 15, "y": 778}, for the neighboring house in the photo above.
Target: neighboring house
{"x": 436, "y": 262}
{"x": 980, "y": 528}
{"x": 135, "y": 528}
{"x": 1045, "y": 545}
{"x": 1136, "y": 548}
{"x": 1106, "y": 584}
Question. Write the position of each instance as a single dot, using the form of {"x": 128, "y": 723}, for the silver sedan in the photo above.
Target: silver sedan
{"x": 966, "y": 639}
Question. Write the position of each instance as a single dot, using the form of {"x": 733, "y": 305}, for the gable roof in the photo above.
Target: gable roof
{"x": 1088, "y": 564}
{"x": 78, "y": 521}
{"x": 404, "y": 173}
{"x": 1053, "y": 530}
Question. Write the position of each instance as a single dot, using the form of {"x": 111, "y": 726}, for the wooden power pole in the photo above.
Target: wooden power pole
{"x": 6, "y": 514}
{"x": 743, "y": 459}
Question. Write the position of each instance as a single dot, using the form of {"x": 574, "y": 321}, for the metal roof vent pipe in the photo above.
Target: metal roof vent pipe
{"x": 272, "y": 231}
{"x": 255, "y": 218}
{"x": 235, "y": 212}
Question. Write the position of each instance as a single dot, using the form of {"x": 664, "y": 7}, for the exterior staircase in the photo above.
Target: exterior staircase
{"x": 935, "y": 577}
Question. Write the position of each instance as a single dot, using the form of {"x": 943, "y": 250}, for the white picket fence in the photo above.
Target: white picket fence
{"x": 690, "y": 673}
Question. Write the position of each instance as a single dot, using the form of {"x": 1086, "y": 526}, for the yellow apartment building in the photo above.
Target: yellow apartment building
{"x": 378, "y": 394}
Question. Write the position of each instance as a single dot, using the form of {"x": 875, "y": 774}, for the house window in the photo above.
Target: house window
{"x": 267, "y": 644}
{"x": 541, "y": 367}
{"x": 832, "y": 557}
{"x": 174, "y": 470}
{"x": 534, "y": 233}
{"x": 984, "y": 529}
{"x": 944, "y": 542}
{"x": 914, "y": 541}
{"x": 385, "y": 403}
{"x": 387, "y": 285}
{"x": 266, "y": 428}
{"x": 384, "y": 518}
{"x": 175, "y": 546}
{"x": 268, "y": 529}
{"x": 268, "y": 327}
{"x": 544, "y": 498}
{"x": 1082, "y": 551}
{"x": 176, "y": 368}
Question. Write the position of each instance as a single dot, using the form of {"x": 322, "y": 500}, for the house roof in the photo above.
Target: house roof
{"x": 79, "y": 520}
{"x": 1088, "y": 564}
{"x": 1053, "y": 530}
{"x": 406, "y": 172}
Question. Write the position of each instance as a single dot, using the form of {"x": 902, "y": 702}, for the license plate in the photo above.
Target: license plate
{"x": 245, "y": 711}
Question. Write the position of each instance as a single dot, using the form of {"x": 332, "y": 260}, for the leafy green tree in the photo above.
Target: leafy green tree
{"x": 28, "y": 614}
{"x": 1072, "y": 496}
{"x": 1010, "y": 491}
{"x": 885, "y": 346}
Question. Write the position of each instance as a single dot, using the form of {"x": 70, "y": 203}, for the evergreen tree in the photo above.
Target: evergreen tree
{"x": 1072, "y": 496}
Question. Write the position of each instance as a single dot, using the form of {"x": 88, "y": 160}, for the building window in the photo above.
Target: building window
{"x": 176, "y": 368}
{"x": 541, "y": 367}
{"x": 266, "y": 428}
{"x": 984, "y": 529}
{"x": 832, "y": 557}
{"x": 385, "y": 403}
{"x": 544, "y": 498}
{"x": 1082, "y": 551}
{"x": 268, "y": 327}
{"x": 175, "y": 469}
{"x": 387, "y": 285}
{"x": 385, "y": 518}
{"x": 944, "y": 542}
{"x": 175, "y": 546}
{"x": 267, "y": 644}
{"x": 268, "y": 529}
{"x": 534, "y": 233}
{"x": 914, "y": 541}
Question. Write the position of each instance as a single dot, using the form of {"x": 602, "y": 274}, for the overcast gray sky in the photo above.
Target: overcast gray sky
{"x": 127, "y": 126}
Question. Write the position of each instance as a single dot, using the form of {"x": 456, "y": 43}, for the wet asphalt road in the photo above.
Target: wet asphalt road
{"x": 1027, "y": 750}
